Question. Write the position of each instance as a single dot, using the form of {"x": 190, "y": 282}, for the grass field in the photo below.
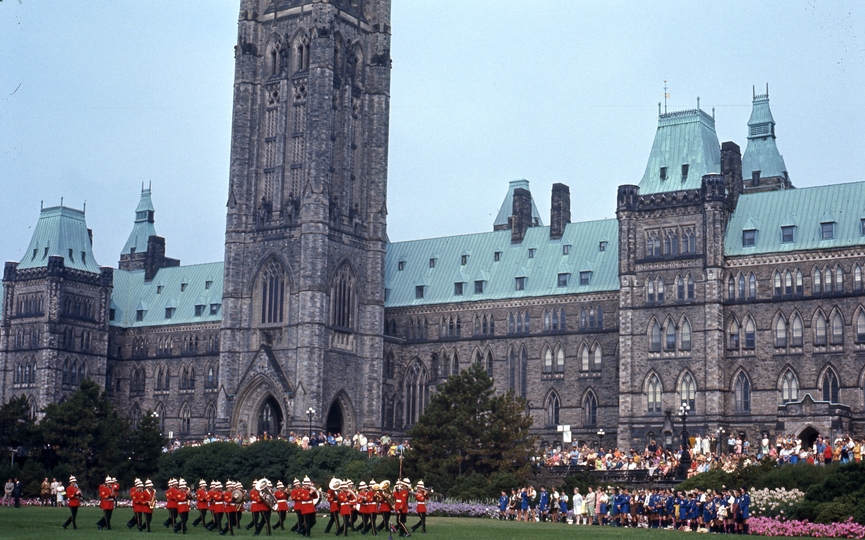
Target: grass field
{"x": 45, "y": 523}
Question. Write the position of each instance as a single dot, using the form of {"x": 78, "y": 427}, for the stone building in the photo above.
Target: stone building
{"x": 719, "y": 286}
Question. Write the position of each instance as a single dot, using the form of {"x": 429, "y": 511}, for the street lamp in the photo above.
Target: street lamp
{"x": 668, "y": 430}
{"x": 601, "y": 434}
{"x": 310, "y": 413}
{"x": 685, "y": 460}
{"x": 721, "y": 432}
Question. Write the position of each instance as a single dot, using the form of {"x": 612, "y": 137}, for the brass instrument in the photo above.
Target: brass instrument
{"x": 315, "y": 494}
{"x": 152, "y": 498}
{"x": 268, "y": 498}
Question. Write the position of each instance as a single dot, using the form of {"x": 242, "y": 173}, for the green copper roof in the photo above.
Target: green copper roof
{"x": 178, "y": 287}
{"x": 762, "y": 153}
{"x": 60, "y": 231}
{"x": 541, "y": 268}
{"x": 804, "y": 209}
{"x": 507, "y": 208}
{"x": 684, "y": 138}
{"x": 143, "y": 228}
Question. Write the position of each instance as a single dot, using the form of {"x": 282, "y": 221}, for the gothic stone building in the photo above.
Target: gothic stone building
{"x": 719, "y": 286}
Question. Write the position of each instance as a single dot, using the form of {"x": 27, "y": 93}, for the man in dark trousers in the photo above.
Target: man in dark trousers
{"x": 16, "y": 493}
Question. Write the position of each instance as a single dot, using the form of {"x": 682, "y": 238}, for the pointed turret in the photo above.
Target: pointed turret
{"x": 763, "y": 166}
{"x": 502, "y": 221}
{"x": 144, "y": 250}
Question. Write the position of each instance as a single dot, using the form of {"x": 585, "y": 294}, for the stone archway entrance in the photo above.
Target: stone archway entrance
{"x": 340, "y": 416}
{"x": 334, "y": 419}
{"x": 270, "y": 418}
{"x": 808, "y": 436}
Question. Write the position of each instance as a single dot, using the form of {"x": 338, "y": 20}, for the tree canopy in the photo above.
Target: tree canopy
{"x": 467, "y": 429}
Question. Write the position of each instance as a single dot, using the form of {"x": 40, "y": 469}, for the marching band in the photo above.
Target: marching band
{"x": 346, "y": 504}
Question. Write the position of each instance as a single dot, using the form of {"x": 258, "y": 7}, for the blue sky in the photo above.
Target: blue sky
{"x": 98, "y": 97}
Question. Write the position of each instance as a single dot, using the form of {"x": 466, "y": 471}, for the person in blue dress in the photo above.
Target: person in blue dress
{"x": 563, "y": 507}
{"x": 524, "y": 504}
{"x": 625, "y": 509}
{"x": 743, "y": 511}
{"x": 603, "y": 506}
{"x": 544, "y": 503}
{"x": 503, "y": 505}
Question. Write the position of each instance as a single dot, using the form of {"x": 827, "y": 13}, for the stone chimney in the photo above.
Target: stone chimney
{"x": 731, "y": 169}
{"x": 521, "y": 218}
{"x": 560, "y": 210}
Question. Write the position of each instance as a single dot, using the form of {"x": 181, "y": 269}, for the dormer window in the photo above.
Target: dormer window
{"x": 111, "y": 314}
{"x": 71, "y": 256}
{"x": 497, "y": 256}
{"x": 532, "y": 253}
{"x": 585, "y": 277}
{"x": 214, "y": 309}
{"x": 788, "y": 234}
{"x": 159, "y": 289}
{"x": 464, "y": 259}
{"x": 432, "y": 263}
{"x": 183, "y": 287}
{"x": 755, "y": 178}
{"x": 36, "y": 251}
{"x": 602, "y": 245}
{"x": 458, "y": 289}
{"x": 207, "y": 284}
{"x": 520, "y": 284}
{"x": 566, "y": 249}
{"x": 749, "y": 237}
{"x": 400, "y": 266}
{"x": 684, "y": 172}
{"x": 131, "y": 250}
{"x": 169, "y": 312}
{"x": 563, "y": 279}
{"x": 479, "y": 287}
{"x": 199, "y": 310}
{"x": 663, "y": 173}
{"x": 862, "y": 227}
{"x": 827, "y": 231}
{"x": 139, "y": 315}
{"x": 418, "y": 291}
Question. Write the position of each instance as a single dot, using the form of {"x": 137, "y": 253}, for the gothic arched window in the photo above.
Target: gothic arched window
{"x": 688, "y": 392}
{"x": 830, "y": 387}
{"x": 860, "y": 327}
{"x": 548, "y": 360}
{"x": 490, "y": 363}
{"x": 837, "y": 329}
{"x": 820, "y": 330}
{"x": 655, "y": 337}
{"x": 596, "y": 357}
{"x": 585, "y": 361}
{"x": 559, "y": 362}
{"x": 653, "y": 394}
{"x": 789, "y": 387}
{"x": 742, "y": 392}
{"x": 590, "y": 410}
{"x": 781, "y": 332}
{"x": 272, "y": 287}
{"x": 796, "y": 331}
{"x": 553, "y": 406}
{"x": 210, "y": 418}
{"x": 185, "y": 419}
{"x": 416, "y": 392}
{"x": 343, "y": 299}
{"x": 686, "y": 336}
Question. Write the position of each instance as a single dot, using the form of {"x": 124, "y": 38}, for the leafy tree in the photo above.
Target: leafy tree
{"x": 91, "y": 438}
{"x": 147, "y": 443}
{"x": 469, "y": 429}
{"x": 16, "y": 426}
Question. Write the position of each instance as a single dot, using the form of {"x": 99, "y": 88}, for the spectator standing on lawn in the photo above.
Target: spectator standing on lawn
{"x": 7, "y": 492}
{"x": 16, "y": 493}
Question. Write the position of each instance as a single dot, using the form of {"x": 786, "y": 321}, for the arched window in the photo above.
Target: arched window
{"x": 559, "y": 366}
{"x": 788, "y": 283}
{"x": 741, "y": 287}
{"x": 524, "y": 371}
{"x": 492, "y": 325}
{"x": 513, "y": 370}
{"x": 742, "y": 393}
{"x": 827, "y": 280}
{"x": 750, "y": 333}
{"x": 680, "y": 288}
{"x": 600, "y": 324}
{"x": 555, "y": 322}
{"x": 839, "y": 279}
{"x": 136, "y": 381}
{"x": 789, "y": 387}
{"x": 548, "y": 360}
{"x": 585, "y": 362}
{"x": 781, "y": 332}
{"x": 830, "y": 387}
{"x": 65, "y": 372}
{"x": 837, "y": 329}
{"x": 455, "y": 365}
{"x": 816, "y": 282}
{"x": 343, "y": 299}
{"x": 690, "y": 287}
{"x": 670, "y": 336}
{"x": 547, "y": 324}
{"x": 211, "y": 379}
{"x": 511, "y": 325}
{"x": 185, "y": 420}
{"x": 210, "y": 418}
{"x": 650, "y": 290}
{"x": 490, "y": 363}
{"x": 519, "y": 323}
{"x": 477, "y": 325}
{"x": 731, "y": 288}
{"x": 416, "y": 392}
{"x": 160, "y": 414}
{"x": 857, "y": 278}
{"x": 820, "y": 330}
{"x": 272, "y": 287}
{"x": 860, "y": 327}
{"x": 798, "y": 281}
{"x": 583, "y": 323}
{"x": 135, "y": 416}
{"x": 661, "y": 289}
{"x": 184, "y": 378}
{"x": 688, "y": 392}
{"x": 459, "y": 326}
{"x": 686, "y": 335}
{"x": 796, "y": 331}
{"x": 526, "y": 323}
{"x": 752, "y": 286}
{"x": 596, "y": 357}
{"x": 19, "y": 373}
{"x": 553, "y": 406}
{"x": 590, "y": 410}
{"x": 159, "y": 378}
{"x": 655, "y": 337}
{"x": 653, "y": 394}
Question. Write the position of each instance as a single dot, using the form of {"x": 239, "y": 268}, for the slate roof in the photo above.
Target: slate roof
{"x": 762, "y": 153}
{"x": 803, "y": 208}
{"x": 507, "y": 208}
{"x": 60, "y": 231}
{"x": 178, "y": 287}
{"x": 682, "y": 138}
{"x": 499, "y": 277}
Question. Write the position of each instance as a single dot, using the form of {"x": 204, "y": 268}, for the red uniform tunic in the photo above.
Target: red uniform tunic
{"x": 74, "y": 496}
{"x": 420, "y": 497}
{"x": 171, "y": 497}
{"x": 332, "y": 499}
{"x": 231, "y": 506}
{"x": 147, "y": 496}
{"x": 217, "y": 497}
{"x": 281, "y": 500}
{"x": 106, "y": 497}
{"x": 201, "y": 499}
{"x": 182, "y": 498}
{"x": 369, "y": 502}
{"x": 383, "y": 505}
{"x": 135, "y": 496}
{"x": 346, "y": 502}
{"x": 296, "y": 495}
{"x": 400, "y": 501}
{"x": 306, "y": 504}
{"x": 257, "y": 505}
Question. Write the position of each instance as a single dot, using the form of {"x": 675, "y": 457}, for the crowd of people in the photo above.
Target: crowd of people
{"x": 220, "y": 507}
{"x": 382, "y": 447}
{"x": 724, "y": 511}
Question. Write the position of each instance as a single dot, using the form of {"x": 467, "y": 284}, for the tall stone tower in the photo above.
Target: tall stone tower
{"x": 305, "y": 233}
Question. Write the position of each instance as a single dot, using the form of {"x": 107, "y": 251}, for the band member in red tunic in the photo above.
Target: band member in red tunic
{"x": 171, "y": 503}
{"x": 182, "y": 495}
{"x": 308, "y": 497}
{"x": 332, "y": 492}
{"x": 135, "y": 496}
{"x": 218, "y": 509}
{"x": 346, "y": 500}
{"x": 264, "y": 486}
{"x": 373, "y": 497}
{"x": 362, "y": 508}
{"x": 385, "y": 505}
{"x": 230, "y": 508}
{"x": 107, "y": 499}
{"x": 281, "y": 503}
{"x": 295, "y": 496}
{"x": 256, "y": 507}
{"x": 400, "y": 505}
{"x": 73, "y": 495}
{"x": 420, "y": 495}
{"x": 149, "y": 503}
{"x": 201, "y": 501}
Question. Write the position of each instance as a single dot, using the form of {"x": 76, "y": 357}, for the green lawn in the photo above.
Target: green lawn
{"x": 45, "y": 523}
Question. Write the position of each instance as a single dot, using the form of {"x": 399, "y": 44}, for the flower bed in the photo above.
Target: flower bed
{"x": 775, "y": 502}
{"x": 765, "y": 526}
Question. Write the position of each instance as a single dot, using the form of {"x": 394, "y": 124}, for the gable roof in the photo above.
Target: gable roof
{"x": 61, "y": 231}
{"x": 541, "y": 271}
{"x": 803, "y": 208}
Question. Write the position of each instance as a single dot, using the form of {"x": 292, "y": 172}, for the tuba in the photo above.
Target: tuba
{"x": 315, "y": 494}
{"x": 268, "y": 498}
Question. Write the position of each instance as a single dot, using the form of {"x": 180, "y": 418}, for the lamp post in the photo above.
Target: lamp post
{"x": 668, "y": 430}
{"x": 601, "y": 434}
{"x": 685, "y": 460}
{"x": 310, "y": 413}
{"x": 721, "y": 432}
